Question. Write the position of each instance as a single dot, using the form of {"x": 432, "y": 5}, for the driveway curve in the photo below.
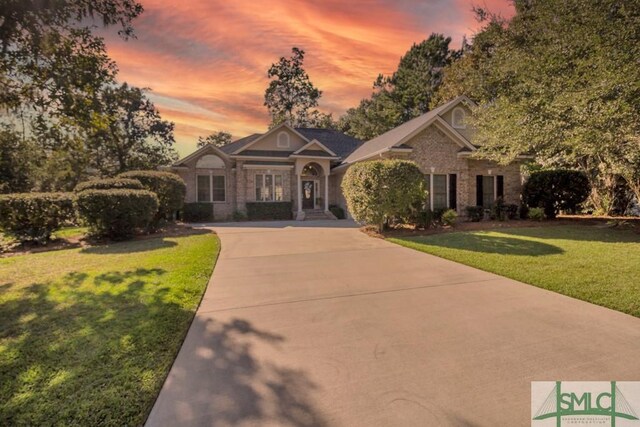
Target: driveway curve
{"x": 315, "y": 323}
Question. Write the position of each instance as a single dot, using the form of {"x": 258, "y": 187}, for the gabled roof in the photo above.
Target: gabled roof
{"x": 339, "y": 143}
{"x": 335, "y": 141}
{"x": 239, "y": 143}
{"x": 314, "y": 146}
{"x": 269, "y": 132}
{"x": 399, "y": 135}
{"x": 202, "y": 150}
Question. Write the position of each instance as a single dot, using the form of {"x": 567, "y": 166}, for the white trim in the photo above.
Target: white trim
{"x": 278, "y": 167}
{"x": 298, "y": 156}
{"x": 288, "y": 142}
{"x": 264, "y": 135}
{"x": 217, "y": 151}
{"x": 265, "y": 158}
{"x": 454, "y": 134}
{"x": 453, "y": 118}
{"x": 315, "y": 142}
{"x": 273, "y": 186}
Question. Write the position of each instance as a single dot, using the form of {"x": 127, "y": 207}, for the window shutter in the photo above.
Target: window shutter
{"x": 500, "y": 186}
{"x": 453, "y": 182}
{"x": 479, "y": 190}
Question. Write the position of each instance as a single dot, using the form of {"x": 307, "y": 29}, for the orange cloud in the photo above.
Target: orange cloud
{"x": 206, "y": 60}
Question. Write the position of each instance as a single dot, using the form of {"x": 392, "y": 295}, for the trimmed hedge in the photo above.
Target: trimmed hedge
{"x": 109, "y": 183}
{"x": 197, "y": 212}
{"x": 34, "y": 216}
{"x": 556, "y": 190}
{"x": 116, "y": 213}
{"x": 169, "y": 188}
{"x": 337, "y": 211}
{"x": 269, "y": 210}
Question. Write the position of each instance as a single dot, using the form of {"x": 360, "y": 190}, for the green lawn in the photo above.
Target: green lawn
{"x": 87, "y": 336}
{"x": 70, "y": 232}
{"x": 596, "y": 264}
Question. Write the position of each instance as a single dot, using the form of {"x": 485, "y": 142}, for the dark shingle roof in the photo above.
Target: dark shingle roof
{"x": 239, "y": 143}
{"x": 314, "y": 153}
{"x": 265, "y": 153}
{"x": 334, "y": 140}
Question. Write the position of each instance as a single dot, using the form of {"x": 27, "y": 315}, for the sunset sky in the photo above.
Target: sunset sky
{"x": 206, "y": 60}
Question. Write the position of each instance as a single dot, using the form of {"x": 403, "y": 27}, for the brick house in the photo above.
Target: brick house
{"x": 304, "y": 167}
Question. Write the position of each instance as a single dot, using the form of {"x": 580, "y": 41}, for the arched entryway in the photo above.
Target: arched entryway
{"x": 310, "y": 184}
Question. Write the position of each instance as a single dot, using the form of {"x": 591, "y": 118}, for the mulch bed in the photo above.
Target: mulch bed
{"x": 172, "y": 230}
{"x": 586, "y": 220}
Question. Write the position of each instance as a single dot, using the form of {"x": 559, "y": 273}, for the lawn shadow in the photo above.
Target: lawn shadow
{"x": 135, "y": 246}
{"x": 119, "y": 331}
{"x": 62, "y": 338}
{"x": 485, "y": 243}
{"x": 590, "y": 232}
{"x": 218, "y": 379}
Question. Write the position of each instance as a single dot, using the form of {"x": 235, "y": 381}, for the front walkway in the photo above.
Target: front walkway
{"x": 315, "y": 323}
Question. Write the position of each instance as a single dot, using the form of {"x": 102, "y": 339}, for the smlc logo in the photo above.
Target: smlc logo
{"x": 584, "y": 403}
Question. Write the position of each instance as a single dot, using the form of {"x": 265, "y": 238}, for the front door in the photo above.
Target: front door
{"x": 308, "y": 195}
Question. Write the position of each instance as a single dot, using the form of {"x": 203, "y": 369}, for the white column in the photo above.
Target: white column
{"x": 299, "y": 193}
{"x": 326, "y": 192}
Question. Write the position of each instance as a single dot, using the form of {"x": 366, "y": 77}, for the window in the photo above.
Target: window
{"x": 219, "y": 190}
{"x": 488, "y": 194}
{"x": 211, "y": 188}
{"x": 269, "y": 188}
{"x": 440, "y": 188}
{"x": 204, "y": 188}
{"x": 439, "y": 191}
{"x": 458, "y": 118}
{"x": 283, "y": 140}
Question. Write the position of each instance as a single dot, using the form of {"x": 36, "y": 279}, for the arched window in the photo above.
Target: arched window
{"x": 310, "y": 170}
{"x": 210, "y": 161}
{"x": 458, "y": 120}
{"x": 283, "y": 140}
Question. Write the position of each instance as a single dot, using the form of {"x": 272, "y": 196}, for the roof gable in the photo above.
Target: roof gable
{"x": 315, "y": 145}
{"x": 271, "y": 131}
{"x": 400, "y": 134}
{"x": 206, "y": 149}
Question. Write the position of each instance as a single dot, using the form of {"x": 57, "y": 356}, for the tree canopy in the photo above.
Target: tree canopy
{"x": 561, "y": 79}
{"x": 291, "y": 97}
{"x": 405, "y": 94}
{"x": 60, "y": 98}
{"x": 218, "y": 139}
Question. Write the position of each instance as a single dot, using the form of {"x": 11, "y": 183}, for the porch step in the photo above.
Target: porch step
{"x": 317, "y": 215}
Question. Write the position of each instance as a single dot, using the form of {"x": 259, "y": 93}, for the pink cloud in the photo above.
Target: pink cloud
{"x": 206, "y": 60}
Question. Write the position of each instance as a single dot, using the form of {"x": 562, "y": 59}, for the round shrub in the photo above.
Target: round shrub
{"x": 449, "y": 217}
{"x": 169, "y": 188}
{"x": 556, "y": 190}
{"x": 34, "y": 216}
{"x": 475, "y": 213}
{"x": 536, "y": 214}
{"x": 116, "y": 213}
{"x": 109, "y": 183}
{"x": 380, "y": 190}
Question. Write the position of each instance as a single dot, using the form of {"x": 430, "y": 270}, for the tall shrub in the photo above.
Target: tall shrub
{"x": 34, "y": 216}
{"x": 556, "y": 190}
{"x": 169, "y": 188}
{"x": 117, "y": 213}
{"x": 383, "y": 189}
{"x": 109, "y": 183}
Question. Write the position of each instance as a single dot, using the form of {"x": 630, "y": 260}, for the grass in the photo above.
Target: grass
{"x": 87, "y": 336}
{"x": 70, "y": 232}
{"x": 596, "y": 264}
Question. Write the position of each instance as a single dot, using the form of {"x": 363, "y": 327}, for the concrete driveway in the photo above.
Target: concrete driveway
{"x": 315, "y": 323}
